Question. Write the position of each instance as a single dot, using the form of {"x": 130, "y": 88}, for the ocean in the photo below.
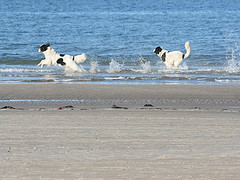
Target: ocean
{"x": 118, "y": 38}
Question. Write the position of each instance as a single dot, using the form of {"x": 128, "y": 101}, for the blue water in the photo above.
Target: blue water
{"x": 118, "y": 38}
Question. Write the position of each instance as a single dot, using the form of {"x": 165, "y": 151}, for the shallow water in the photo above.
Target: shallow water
{"x": 118, "y": 38}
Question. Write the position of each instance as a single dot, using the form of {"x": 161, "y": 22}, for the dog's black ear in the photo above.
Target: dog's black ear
{"x": 157, "y": 50}
{"x": 44, "y": 47}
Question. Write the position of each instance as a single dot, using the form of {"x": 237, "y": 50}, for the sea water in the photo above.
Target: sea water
{"x": 118, "y": 38}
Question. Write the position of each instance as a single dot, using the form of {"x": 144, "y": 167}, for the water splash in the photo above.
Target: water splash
{"x": 232, "y": 53}
{"x": 183, "y": 66}
{"x": 114, "y": 67}
{"x": 94, "y": 67}
{"x": 71, "y": 71}
{"x": 146, "y": 67}
{"x": 232, "y": 62}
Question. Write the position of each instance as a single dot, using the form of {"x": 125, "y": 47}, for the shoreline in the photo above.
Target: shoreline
{"x": 97, "y": 91}
{"x": 133, "y": 96}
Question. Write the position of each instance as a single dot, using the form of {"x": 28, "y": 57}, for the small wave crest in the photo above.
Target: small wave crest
{"x": 24, "y": 69}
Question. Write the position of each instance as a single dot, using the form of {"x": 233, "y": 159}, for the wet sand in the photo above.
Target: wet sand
{"x": 59, "y": 131}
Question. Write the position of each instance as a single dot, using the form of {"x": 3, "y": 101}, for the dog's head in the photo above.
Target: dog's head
{"x": 157, "y": 50}
{"x": 44, "y": 48}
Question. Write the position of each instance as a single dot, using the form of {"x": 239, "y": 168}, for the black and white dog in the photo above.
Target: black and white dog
{"x": 172, "y": 59}
{"x": 53, "y": 58}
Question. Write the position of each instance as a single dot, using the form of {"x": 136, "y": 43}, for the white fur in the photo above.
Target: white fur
{"x": 51, "y": 58}
{"x": 173, "y": 59}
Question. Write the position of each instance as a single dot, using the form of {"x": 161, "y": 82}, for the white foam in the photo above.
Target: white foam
{"x": 227, "y": 80}
{"x": 20, "y": 70}
{"x": 115, "y": 78}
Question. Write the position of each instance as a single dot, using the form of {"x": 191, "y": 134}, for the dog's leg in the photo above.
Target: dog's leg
{"x": 169, "y": 66}
{"x": 43, "y": 62}
{"x": 73, "y": 66}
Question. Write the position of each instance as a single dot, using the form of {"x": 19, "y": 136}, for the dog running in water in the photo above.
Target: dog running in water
{"x": 172, "y": 59}
{"x": 53, "y": 58}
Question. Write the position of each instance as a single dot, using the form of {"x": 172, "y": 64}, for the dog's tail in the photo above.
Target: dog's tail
{"x": 188, "y": 49}
{"x": 80, "y": 58}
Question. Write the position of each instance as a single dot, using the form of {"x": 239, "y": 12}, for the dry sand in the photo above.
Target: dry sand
{"x": 59, "y": 131}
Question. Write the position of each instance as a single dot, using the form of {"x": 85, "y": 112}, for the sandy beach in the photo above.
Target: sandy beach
{"x": 66, "y": 131}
